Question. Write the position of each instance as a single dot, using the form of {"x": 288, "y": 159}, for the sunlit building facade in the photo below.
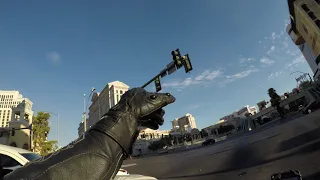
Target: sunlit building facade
{"x": 243, "y": 112}
{"x": 184, "y": 123}
{"x": 103, "y": 101}
{"x": 16, "y": 112}
{"x": 304, "y": 30}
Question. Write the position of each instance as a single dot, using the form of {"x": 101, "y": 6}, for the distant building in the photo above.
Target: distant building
{"x": 102, "y": 102}
{"x": 145, "y": 137}
{"x": 262, "y": 105}
{"x": 240, "y": 113}
{"x": 81, "y": 128}
{"x": 311, "y": 59}
{"x": 4, "y": 136}
{"x": 236, "y": 122}
{"x": 16, "y": 112}
{"x": 10, "y": 100}
{"x": 150, "y": 134}
{"x": 183, "y": 124}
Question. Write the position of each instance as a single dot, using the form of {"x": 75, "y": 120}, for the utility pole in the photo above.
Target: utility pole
{"x": 84, "y": 114}
{"x": 85, "y": 108}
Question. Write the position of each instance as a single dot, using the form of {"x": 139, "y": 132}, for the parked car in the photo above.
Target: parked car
{"x": 163, "y": 150}
{"x": 208, "y": 142}
{"x": 13, "y": 158}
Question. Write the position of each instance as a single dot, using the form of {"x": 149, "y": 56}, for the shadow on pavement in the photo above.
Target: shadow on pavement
{"x": 315, "y": 176}
{"x": 247, "y": 157}
{"x": 299, "y": 140}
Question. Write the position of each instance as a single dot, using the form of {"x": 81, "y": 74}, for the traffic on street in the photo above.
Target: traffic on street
{"x": 294, "y": 144}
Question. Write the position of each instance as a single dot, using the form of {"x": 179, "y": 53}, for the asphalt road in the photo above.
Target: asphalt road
{"x": 292, "y": 144}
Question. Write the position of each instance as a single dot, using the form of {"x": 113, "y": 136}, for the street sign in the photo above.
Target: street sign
{"x": 171, "y": 68}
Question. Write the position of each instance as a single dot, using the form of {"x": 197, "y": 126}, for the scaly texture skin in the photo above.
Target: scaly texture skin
{"x": 101, "y": 152}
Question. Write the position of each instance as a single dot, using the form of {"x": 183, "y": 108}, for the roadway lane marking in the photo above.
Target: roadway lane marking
{"x": 128, "y": 165}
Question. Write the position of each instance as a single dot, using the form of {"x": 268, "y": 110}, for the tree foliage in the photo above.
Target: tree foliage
{"x": 41, "y": 129}
{"x": 203, "y": 133}
{"x": 155, "y": 145}
{"x": 226, "y": 128}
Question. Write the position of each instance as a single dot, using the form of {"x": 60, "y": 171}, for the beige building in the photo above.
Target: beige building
{"x": 103, "y": 101}
{"x": 16, "y": 112}
{"x": 9, "y": 100}
{"x": 240, "y": 113}
{"x": 184, "y": 123}
{"x": 307, "y": 22}
{"x": 150, "y": 134}
{"x": 304, "y": 31}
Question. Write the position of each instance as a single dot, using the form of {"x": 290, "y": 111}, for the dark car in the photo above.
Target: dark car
{"x": 208, "y": 142}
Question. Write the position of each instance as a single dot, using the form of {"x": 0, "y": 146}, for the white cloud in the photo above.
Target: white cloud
{"x": 202, "y": 75}
{"x": 237, "y": 76}
{"x": 266, "y": 61}
{"x": 53, "y": 57}
{"x": 296, "y": 62}
{"x": 272, "y": 49}
{"x": 208, "y": 75}
{"x": 273, "y": 36}
{"x": 242, "y": 74}
{"x": 286, "y": 22}
{"x": 202, "y": 79}
{"x": 193, "y": 106}
{"x": 206, "y": 78}
{"x": 214, "y": 74}
{"x": 274, "y": 75}
{"x": 243, "y": 60}
{"x": 285, "y": 44}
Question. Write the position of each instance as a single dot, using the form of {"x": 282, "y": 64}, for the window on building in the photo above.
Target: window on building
{"x": 312, "y": 16}
{"x": 317, "y": 22}
{"x": 305, "y": 8}
{"x": 318, "y": 60}
{"x": 121, "y": 92}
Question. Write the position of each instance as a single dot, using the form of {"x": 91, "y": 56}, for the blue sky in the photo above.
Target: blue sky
{"x": 54, "y": 52}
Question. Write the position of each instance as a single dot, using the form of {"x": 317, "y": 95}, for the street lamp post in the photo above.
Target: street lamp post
{"x": 57, "y": 124}
{"x": 302, "y": 73}
{"x": 85, "y": 108}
